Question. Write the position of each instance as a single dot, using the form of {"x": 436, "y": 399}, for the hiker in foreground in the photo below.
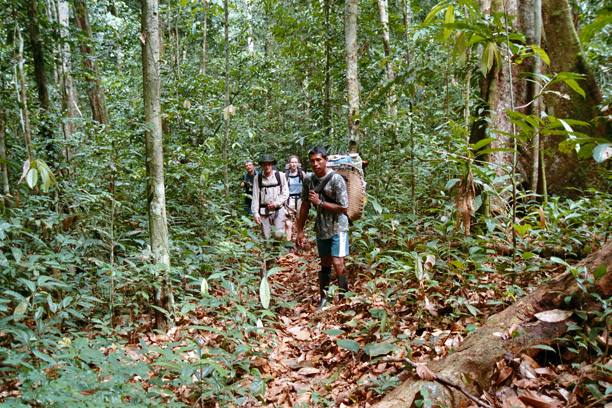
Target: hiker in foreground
{"x": 295, "y": 178}
{"x": 326, "y": 190}
{"x": 270, "y": 192}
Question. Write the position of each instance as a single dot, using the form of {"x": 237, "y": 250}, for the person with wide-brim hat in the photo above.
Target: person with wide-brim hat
{"x": 266, "y": 158}
{"x": 270, "y": 193}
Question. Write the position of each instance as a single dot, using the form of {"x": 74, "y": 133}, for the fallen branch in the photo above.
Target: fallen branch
{"x": 429, "y": 375}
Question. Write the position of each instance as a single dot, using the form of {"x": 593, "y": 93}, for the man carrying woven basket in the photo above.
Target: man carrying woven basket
{"x": 326, "y": 190}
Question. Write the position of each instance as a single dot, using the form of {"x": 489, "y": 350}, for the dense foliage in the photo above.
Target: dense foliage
{"x": 75, "y": 273}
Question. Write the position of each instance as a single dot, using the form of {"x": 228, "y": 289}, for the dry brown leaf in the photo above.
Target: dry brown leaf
{"x": 539, "y": 400}
{"x": 425, "y": 373}
{"x": 513, "y": 402}
{"x": 308, "y": 371}
{"x": 429, "y": 263}
{"x": 542, "y": 218}
{"x": 503, "y": 375}
{"x": 526, "y": 370}
{"x": 545, "y": 372}
{"x": 554, "y": 316}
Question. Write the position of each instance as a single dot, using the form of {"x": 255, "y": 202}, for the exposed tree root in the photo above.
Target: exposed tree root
{"x": 514, "y": 331}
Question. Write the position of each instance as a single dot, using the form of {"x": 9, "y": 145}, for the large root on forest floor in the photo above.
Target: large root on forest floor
{"x": 509, "y": 333}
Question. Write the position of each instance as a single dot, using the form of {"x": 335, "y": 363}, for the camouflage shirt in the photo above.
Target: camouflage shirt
{"x": 328, "y": 223}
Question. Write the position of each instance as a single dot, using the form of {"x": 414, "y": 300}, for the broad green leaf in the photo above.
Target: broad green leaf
{"x": 559, "y": 261}
{"x": 264, "y": 293}
{"x": 488, "y": 55}
{"x": 218, "y": 368}
{"x": 184, "y": 3}
{"x": 574, "y": 85}
{"x": 521, "y": 229}
{"x": 600, "y": 271}
{"x": 257, "y": 387}
{"x": 274, "y": 270}
{"x": 334, "y": 332}
{"x": 451, "y": 183}
{"x": 21, "y": 308}
{"x": 477, "y": 202}
{"x": 32, "y": 178}
{"x": 541, "y": 53}
{"x": 350, "y": 345}
{"x": 378, "y": 349}
{"x": 473, "y": 310}
{"x": 45, "y": 179}
{"x": 483, "y": 143}
{"x": 449, "y": 18}
{"x": 602, "y": 152}
{"x": 433, "y": 13}
{"x": 461, "y": 46}
{"x": 528, "y": 255}
{"x": 498, "y": 58}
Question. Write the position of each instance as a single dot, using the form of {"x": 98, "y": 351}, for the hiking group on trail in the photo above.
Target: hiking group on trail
{"x": 280, "y": 198}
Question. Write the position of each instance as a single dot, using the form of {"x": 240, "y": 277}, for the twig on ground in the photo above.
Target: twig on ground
{"x": 441, "y": 380}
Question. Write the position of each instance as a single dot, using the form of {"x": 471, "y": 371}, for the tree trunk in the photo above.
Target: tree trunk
{"x": 3, "y": 166}
{"x": 227, "y": 103}
{"x": 562, "y": 45}
{"x": 69, "y": 93}
{"x": 327, "y": 107}
{"x": 22, "y": 97}
{"x": 390, "y": 71}
{"x": 566, "y": 55}
{"x": 407, "y": 20}
{"x": 95, "y": 90}
{"x": 477, "y": 356}
{"x": 352, "y": 79}
{"x": 156, "y": 196}
{"x": 42, "y": 83}
{"x": 204, "y": 34}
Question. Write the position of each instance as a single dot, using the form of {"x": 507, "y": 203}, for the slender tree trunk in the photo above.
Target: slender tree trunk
{"x": 156, "y": 196}
{"x": 250, "y": 42}
{"x": 227, "y": 102}
{"x": 3, "y": 167}
{"x": 42, "y": 83}
{"x": 95, "y": 89}
{"x": 204, "y": 34}
{"x": 69, "y": 93}
{"x": 22, "y": 96}
{"x": 352, "y": 79}
{"x": 327, "y": 107}
{"x": 390, "y": 71}
{"x": 537, "y": 104}
{"x": 407, "y": 17}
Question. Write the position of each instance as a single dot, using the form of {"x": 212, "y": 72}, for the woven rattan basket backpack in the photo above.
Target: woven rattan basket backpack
{"x": 349, "y": 167}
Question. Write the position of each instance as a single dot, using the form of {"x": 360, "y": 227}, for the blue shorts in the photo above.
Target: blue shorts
{"x": 337, "y": 246}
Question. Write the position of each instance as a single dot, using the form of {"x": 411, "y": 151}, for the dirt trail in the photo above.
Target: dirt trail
{"x": 306, "y": 363}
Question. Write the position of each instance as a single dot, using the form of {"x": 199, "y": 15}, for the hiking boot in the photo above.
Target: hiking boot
{"x": 324, "y": 279}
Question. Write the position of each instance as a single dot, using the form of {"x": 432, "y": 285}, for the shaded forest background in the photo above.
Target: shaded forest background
{"x": 487, "y": 172}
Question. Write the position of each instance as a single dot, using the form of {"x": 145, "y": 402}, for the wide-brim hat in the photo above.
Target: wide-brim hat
{"x": 266, "y": 158}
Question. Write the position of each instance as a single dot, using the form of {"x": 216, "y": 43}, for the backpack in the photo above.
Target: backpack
{"x": 278, "y": 182}
{"x": 300, "y": 174}
{"x": 352, "y": 173}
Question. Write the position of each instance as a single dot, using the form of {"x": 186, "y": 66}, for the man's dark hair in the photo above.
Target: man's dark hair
{"x": 318, "y": 150}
